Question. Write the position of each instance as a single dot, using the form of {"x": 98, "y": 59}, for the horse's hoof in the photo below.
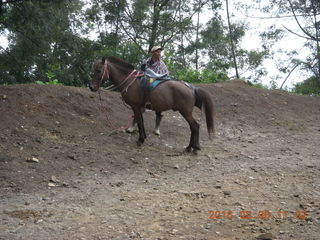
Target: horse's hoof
{"x": 156, "y": 132}
{"x": 197, "y": 148}
{"x": 139, "y": 143}
{"x": 132, "y": 129}
{"x": 188, "y": 150}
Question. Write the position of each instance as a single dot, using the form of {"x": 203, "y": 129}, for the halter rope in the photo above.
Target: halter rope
{"x": 113, "y": 87}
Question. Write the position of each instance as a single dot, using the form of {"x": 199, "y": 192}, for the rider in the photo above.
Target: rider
{"x": 154, "y": 63}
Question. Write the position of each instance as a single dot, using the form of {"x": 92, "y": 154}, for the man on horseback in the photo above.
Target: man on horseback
{"x": 153, "y": 64}
{"x": 167, "y": 95}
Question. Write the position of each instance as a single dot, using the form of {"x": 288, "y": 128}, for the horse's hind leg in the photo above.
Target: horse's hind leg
{"x": 158, "y": 121}
{"x": 194, "y": 143}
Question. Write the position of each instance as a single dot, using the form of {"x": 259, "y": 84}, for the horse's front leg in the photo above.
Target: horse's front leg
{"x": 158, "y": 121}
{"x": 139, "y": 118}
{"x": 133, "y": 127}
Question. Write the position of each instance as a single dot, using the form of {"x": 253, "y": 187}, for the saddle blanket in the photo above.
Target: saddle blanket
{"x": 150, "y": 84}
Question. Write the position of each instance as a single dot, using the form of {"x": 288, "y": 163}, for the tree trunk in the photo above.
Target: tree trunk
{"x": 317, "y": 27}
{"x": 155, "y": 23}
{"x": 197, "y": 37}
{"x": 157, "y": 7}
{"x": 231, "y": 42}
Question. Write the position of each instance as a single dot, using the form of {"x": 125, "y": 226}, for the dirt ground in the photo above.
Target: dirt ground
{"x": 67, "y": 173}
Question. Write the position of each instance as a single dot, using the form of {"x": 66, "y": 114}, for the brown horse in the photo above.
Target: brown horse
{"x": 175, "y": 95}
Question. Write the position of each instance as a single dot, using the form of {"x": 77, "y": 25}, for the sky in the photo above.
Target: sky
{"x": 251, "y": 41}
{"x": 257, "y": 22}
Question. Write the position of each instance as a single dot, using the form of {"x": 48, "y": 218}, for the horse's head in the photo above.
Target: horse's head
{"x": 98, "y": 74}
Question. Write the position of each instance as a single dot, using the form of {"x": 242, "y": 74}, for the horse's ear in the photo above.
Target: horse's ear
{"x": 103, "y": 60}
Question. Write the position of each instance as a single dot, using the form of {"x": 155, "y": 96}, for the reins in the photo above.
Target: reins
{"x": 122, "y": 83}
{"x": 114, "y": 87}
{"x": 109, "y": 122}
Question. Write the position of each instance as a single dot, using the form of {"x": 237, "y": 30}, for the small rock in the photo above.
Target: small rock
{"x": 176, "y": 166}
{"x": 310, "y": 166}
{"x": 72, "y": 157}
{"x": 39, "y": 221}
{"x": 4, "y": 97}
{"x": 265, "y": 236}
{"x": 33, "y": 159}
{"x": 50, "y": 184}
{"x": 174, "y": 231}
{"x": 309, "y": 219}
{"x": 254, "y": 169}
{"x": 134, "y": 160}
{"x": 119, "y": 184}
{"x": 227, "y": 193}
{"x": 303, "y": 206}
{"x": 54, "y": 179}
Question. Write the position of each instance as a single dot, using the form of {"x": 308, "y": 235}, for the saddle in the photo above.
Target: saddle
{"x": 149, "y": 80}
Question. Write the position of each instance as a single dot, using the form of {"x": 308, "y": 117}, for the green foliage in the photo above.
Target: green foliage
{"x": 205, "y": 76}
{"x": 259, "y": 85}
{"x": 54, "y": 48}
{"x": 310, "y": 86}
{"x": 51, "y": 82}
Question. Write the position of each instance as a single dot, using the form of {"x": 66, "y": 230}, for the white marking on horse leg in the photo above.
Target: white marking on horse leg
{"x": 132, "y": 128}
{"x": 156, "y": 131}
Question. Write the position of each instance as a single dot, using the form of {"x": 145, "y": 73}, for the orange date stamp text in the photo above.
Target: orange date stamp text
{"x": 262, "y": 214}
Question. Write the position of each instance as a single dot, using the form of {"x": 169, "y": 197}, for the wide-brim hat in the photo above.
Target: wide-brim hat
{"x": 155, "y": 48}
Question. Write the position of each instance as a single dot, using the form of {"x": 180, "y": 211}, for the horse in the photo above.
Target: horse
{"x": 170, "y": 95}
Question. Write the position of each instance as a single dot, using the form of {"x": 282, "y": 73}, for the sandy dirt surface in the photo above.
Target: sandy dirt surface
{"x": 67, "y": 173}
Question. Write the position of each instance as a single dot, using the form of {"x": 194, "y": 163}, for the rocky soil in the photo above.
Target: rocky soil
{"x": 69, "y": 171}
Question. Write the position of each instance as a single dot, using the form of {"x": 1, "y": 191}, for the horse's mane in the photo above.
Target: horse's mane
{"x": 120, "y": 63}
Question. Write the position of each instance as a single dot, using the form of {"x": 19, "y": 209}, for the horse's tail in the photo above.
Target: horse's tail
{"x": 205, "y": 99}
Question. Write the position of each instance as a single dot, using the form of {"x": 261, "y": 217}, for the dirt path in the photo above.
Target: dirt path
{"x": 66, "y": 175}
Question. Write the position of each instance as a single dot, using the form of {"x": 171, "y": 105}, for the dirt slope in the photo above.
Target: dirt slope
{"x": 66, "y": 173}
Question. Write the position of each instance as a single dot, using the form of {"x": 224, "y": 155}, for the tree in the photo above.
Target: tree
{"x": 305, "y": 13}
{"x": 42, "y": 45}
{"x": 45, "y": 46}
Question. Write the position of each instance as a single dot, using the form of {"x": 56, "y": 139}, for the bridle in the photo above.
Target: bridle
{"x": 126, "y": 83}
{"x": 105, "y": 71}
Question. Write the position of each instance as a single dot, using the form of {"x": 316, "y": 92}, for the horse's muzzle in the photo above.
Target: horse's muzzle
{"x": 92, "y": 88}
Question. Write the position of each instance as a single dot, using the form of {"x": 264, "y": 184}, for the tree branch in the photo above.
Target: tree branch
{"x": 302, "y": 29}
{"x": 132, "y": 38}
{"x": 289, "y": 74}
{"x": 275, "y": 17}
{"x": 308, "y": 38}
